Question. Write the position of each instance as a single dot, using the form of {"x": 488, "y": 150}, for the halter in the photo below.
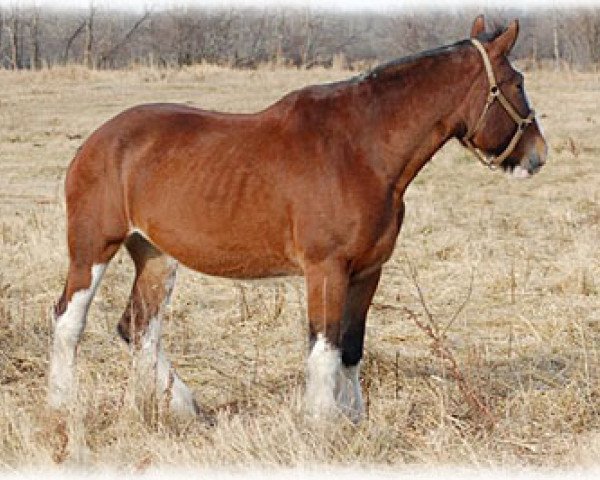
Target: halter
{"x": 495, "y": 93}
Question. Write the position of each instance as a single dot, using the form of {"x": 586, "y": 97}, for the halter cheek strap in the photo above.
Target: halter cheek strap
{"x": 494, "y": 94}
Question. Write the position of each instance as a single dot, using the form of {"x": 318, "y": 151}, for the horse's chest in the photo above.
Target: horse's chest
{"x": 379, "y": 248}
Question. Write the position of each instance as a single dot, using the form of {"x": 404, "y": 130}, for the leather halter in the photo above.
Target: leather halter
{"x": 495, "y": 93}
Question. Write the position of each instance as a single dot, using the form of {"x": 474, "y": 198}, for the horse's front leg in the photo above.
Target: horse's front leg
{"x": 360, "y": 293}
{"x": 327, "y": 289}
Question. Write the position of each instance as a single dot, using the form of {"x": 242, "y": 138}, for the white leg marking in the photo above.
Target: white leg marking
{"x": 349, "y": 393}
{"x": 68, "y": 328}
{"x": 155, "y": 365}
{"x": 170, "y": 281}
{"x": 324, "y": 364}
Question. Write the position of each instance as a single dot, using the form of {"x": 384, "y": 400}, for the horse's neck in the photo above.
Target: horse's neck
{"x": 417, "y": 114}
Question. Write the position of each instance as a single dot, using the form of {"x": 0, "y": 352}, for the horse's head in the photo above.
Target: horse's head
{"x": 501, "y": 126}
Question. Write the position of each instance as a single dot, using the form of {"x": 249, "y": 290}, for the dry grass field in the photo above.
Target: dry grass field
{"x": 525, "y": 255}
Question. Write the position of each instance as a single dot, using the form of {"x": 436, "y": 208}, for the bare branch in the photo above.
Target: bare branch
{"x": 71, "y": 39}
{"x": 415, "y": 279}
{"x": 461, "y": 306}
{"x": 107, "y": 55}
{"x": 442, "y": 351}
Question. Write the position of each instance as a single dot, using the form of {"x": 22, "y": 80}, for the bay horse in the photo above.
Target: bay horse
{"x": 313, "y": 185}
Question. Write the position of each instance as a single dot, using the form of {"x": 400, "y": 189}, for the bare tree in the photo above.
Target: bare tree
{"x": 2, "y": 22}
{"x": 589, "y": 26}
{"x": 244, "y": 37}
{"x": 71, "y": 39}
{"x": 555, "y": 41}
{"x": 107, "y": 55}
{"x": 15, "y": 53}
{"x": 35, "y": 63}
{"x": 89, "y": 38}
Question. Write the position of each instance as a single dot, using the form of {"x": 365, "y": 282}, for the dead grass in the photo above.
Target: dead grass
{"x": 527, "y": 341}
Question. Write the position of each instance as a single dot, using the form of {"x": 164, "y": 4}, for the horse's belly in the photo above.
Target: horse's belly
{"x": 226, "y": 255}
{"x": 232, "y": 264}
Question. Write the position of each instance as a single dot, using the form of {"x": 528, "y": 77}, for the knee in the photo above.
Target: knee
{"x": 133, "y": 322}
{"x": 67, "y": 335}
{"x": 68, "y": 329}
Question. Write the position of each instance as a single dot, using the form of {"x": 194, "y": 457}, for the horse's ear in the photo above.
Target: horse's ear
{"x": 478, "y": 26}
{"x": 504, "y": 42}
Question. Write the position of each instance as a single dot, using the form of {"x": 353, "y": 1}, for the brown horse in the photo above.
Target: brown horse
{"x": 312, "y": 186}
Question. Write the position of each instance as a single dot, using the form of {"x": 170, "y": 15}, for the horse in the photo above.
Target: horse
{"x": 312, "y": 185}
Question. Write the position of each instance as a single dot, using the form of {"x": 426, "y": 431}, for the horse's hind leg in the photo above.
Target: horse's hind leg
{"x": 88, "y": 261}
{"x": 140, "y": 325}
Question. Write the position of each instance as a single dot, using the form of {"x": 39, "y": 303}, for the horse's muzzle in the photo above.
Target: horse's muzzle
{"x": 536, "y": 162}
{"x": 538, "y": 155}
{"x": 533, "y": 162}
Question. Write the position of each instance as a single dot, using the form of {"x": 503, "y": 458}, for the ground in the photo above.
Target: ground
{"x": 522, "y": 256}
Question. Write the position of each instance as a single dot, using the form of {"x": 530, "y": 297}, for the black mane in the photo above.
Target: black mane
{"x": 392, "y": 67}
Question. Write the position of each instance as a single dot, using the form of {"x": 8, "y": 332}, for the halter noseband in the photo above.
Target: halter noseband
{"x": 495, "y": 93}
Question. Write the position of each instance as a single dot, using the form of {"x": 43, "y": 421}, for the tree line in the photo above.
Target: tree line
{"x": 34, "y": 38}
